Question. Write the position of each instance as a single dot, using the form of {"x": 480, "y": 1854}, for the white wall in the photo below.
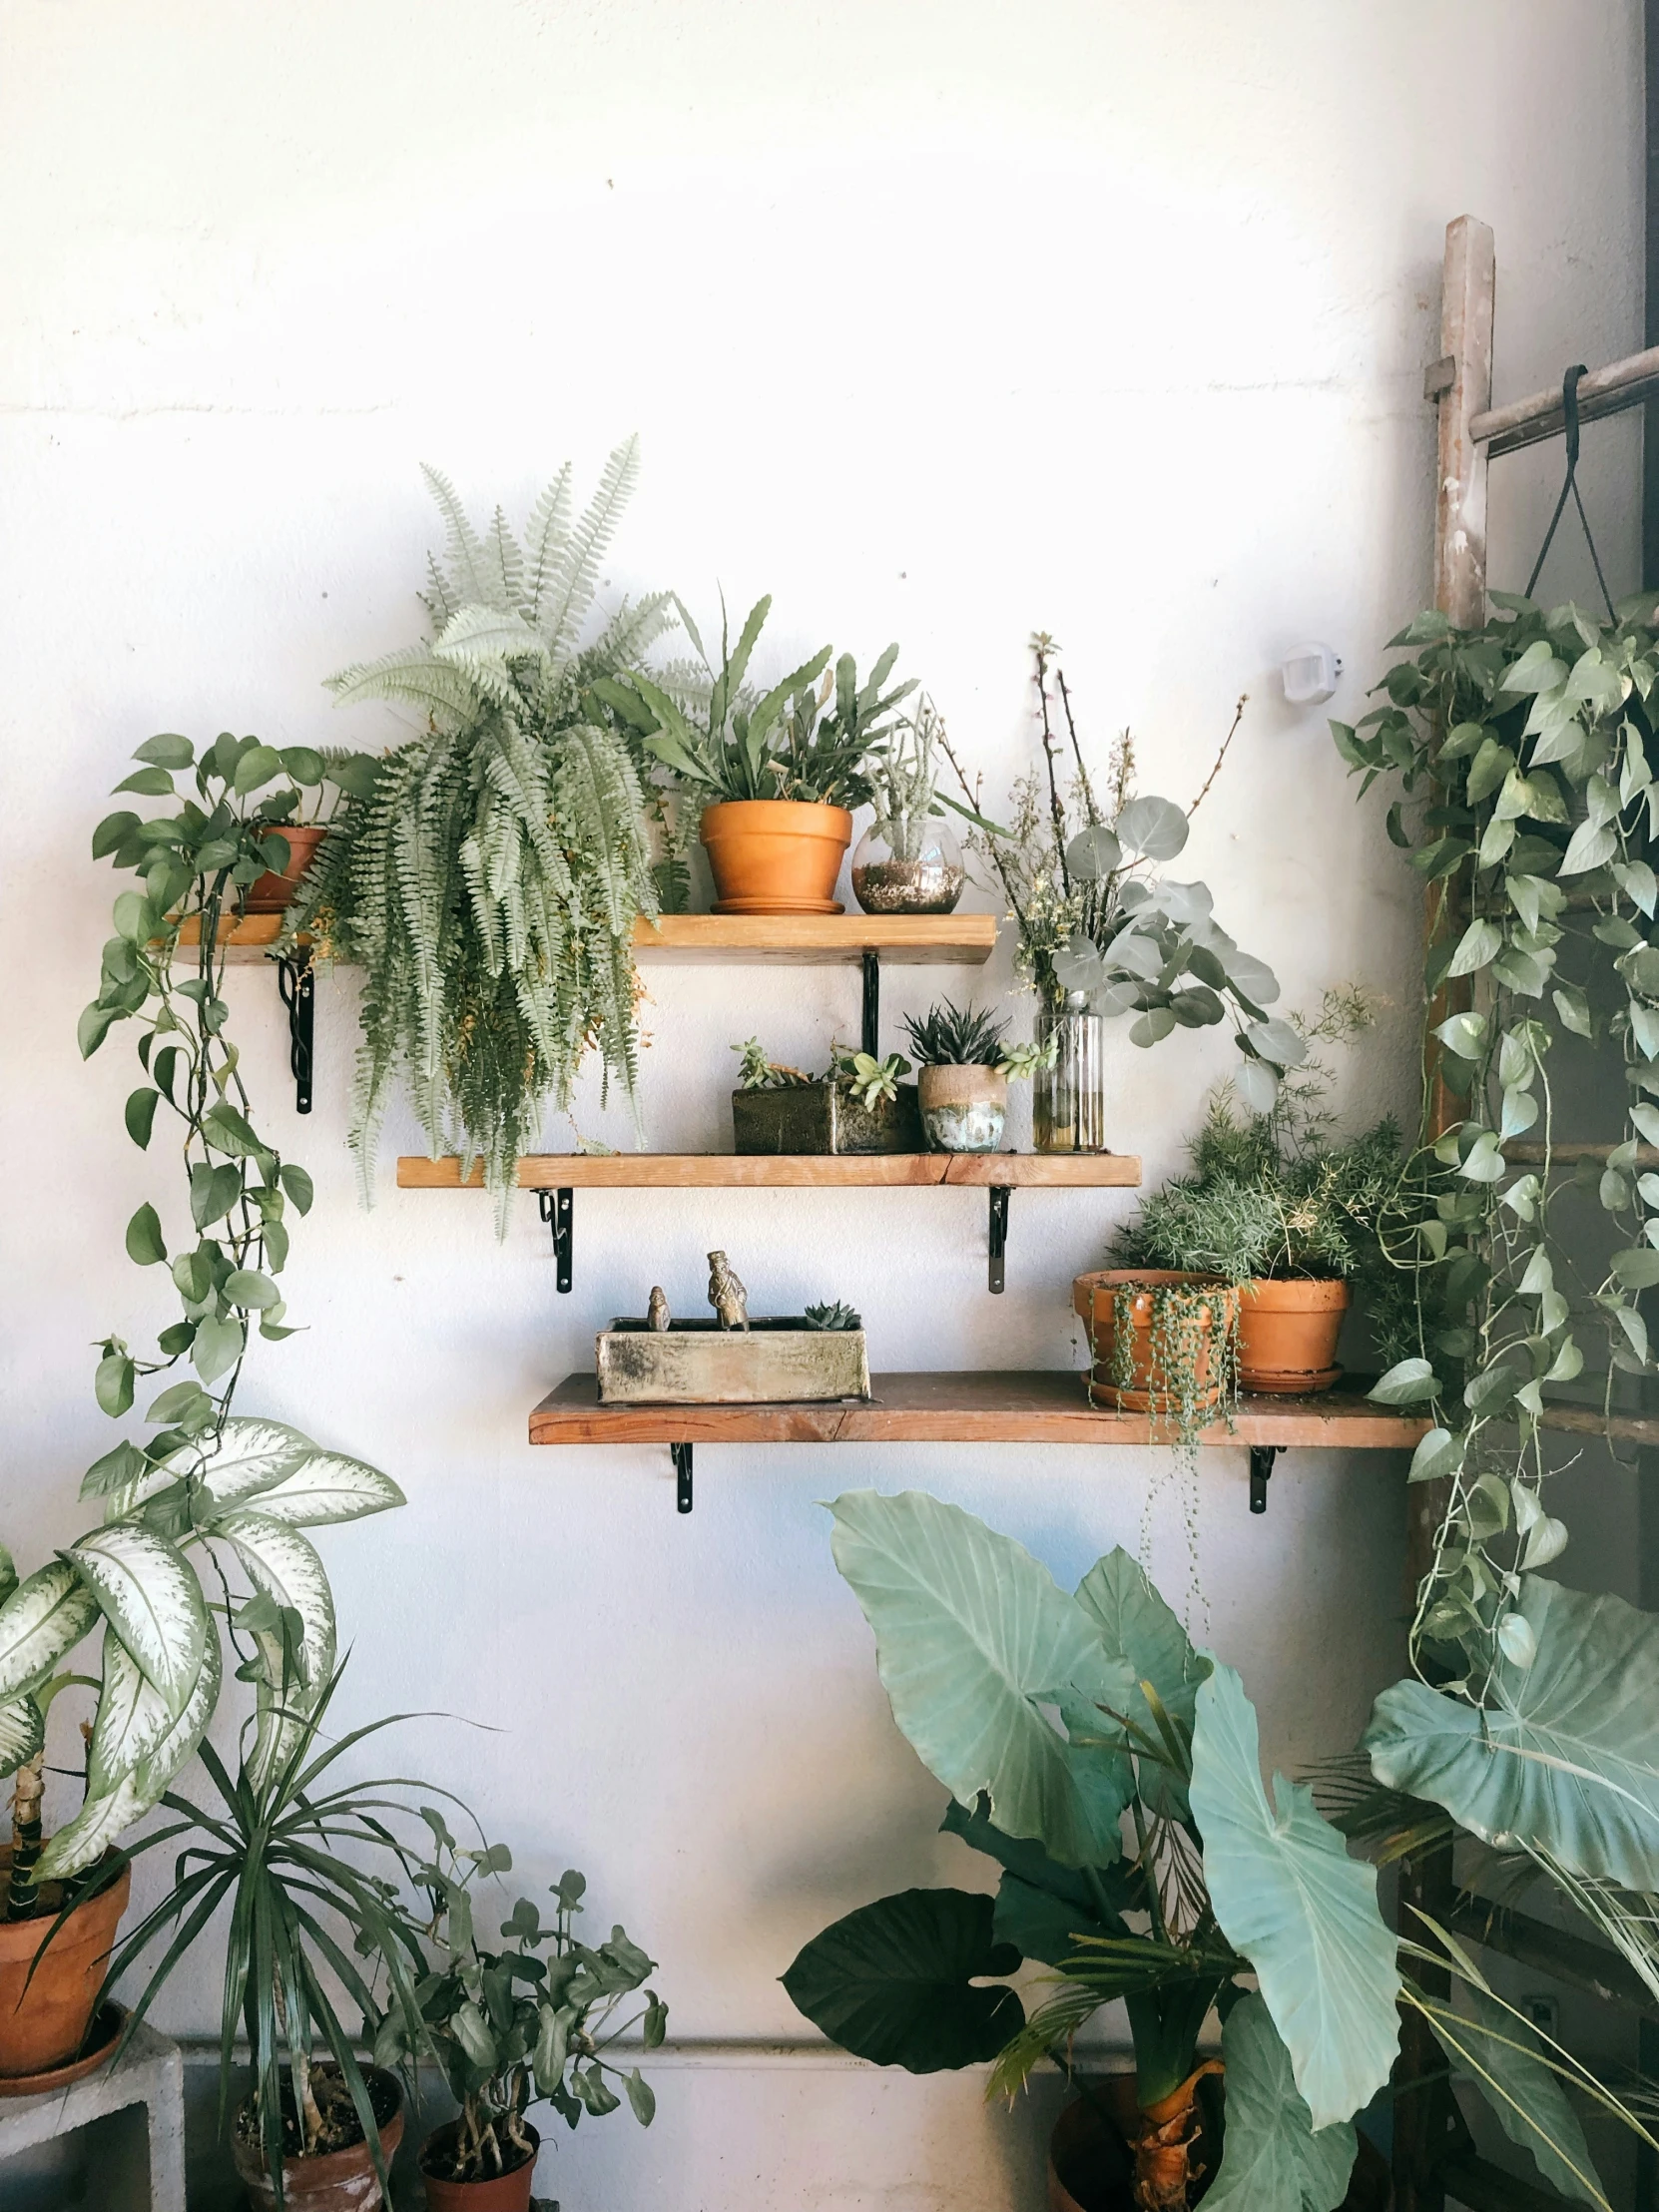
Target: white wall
{"x": 940, "y": 323}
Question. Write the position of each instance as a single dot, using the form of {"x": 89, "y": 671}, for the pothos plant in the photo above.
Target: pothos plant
{"x": 1525, "y": 751}
{"x": 528, "y": 2021}
{"x": 205, "y": 1495}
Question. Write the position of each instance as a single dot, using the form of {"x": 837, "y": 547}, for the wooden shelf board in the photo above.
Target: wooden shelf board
{"x": 963, "y": 941}
{"x": 547, "y": 1171}
{"x": 984, "y": 1405}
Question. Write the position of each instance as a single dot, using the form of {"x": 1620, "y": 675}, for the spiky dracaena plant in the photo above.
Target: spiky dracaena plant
{"x": 487, "y": 872}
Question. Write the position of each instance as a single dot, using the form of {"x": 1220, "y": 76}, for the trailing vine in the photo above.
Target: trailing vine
{"x": 1526, "y": 754}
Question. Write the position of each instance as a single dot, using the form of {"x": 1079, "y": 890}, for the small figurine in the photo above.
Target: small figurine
{"x": 656, "y": 1312}
{"x": 726, "y": 1293}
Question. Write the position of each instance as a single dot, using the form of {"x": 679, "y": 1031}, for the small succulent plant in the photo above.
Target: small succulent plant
{"x": 756, "y": 1073}
{"x": 948, "y": 1036}
{"x": 834, "y": 1315}
{"x": 869, "y": 1079}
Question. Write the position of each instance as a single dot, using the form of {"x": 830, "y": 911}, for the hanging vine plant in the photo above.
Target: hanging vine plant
{"x": 1525, "y": 754}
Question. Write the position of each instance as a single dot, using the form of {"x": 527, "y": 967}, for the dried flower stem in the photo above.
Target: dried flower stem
{"x": 1238, "y": 717}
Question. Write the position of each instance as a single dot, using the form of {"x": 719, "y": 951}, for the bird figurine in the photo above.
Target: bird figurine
{"x": 726, "y": 1293}
{"x": 656, "y": 1312}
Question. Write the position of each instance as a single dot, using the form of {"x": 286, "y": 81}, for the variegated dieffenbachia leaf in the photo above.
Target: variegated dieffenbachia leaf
{"x": 22, "y": 1732}
{"x": 149, "y": 1594}
{"x": 44, "y": 1619}
{"x": 283, "y": 1565}
{"x": 132, "y": 1718}
{"x": 327, "y": 1487}
{"x": 252, "y": 1457}
{"x": 82, "y": 1842}
{"x": 160, "y": 1765}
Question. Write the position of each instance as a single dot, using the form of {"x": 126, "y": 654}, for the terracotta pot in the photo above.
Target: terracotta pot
{"x": 508, "y": 2192}
{"x": 1094, "y": 1297}
{"x": 963, "y": 1109}
{"x": 1091, "y": 2167}
{"x": 775, "y": 855}
{"x": 339, "y": 2181}
{"x": 44, "y": 2022}
{"x": 271, "y": 893}
{"x": 1288, "y": 1336}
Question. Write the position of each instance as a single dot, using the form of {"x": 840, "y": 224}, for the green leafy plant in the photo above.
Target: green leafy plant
{"x": 1079, "y": 868}
{"x": 948, "y": 1036}
{"x": 487, "y": 872}
{"x": 834, "y": 1315}
{"x": 756, "y": 1073}
{"x": 529, "y": 2021}
{"x": 788, "y": 742}
{"x": 869, "y": 1079}
{"x": 905, "y": 784}
{"x": 1524, "y": 752}
{"x": 206, "y": 1498}
{"x": 1113, "y": 1774}
{"x": 281, "y": 1846}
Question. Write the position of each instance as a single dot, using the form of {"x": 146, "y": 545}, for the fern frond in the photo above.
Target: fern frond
{"x": 629, "y": 635}
{"x": 476, "y": 632}
{"x": 414, "y": 675}
{"x": 544, "y": 541}
{"x": 468, "y": 574}
{"x": 576, "y": 570}
{"x": 506, "y": 565}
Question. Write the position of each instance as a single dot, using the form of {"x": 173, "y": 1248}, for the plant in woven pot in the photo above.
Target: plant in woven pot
{"x": 1293, "y": 1215}
{"x": 965, "y": 1065}
{"x": 527, "y": 2022}
{"x": 1110, "y": 1773}
{"x": 784, "y": 768}
{"x": 203, "y": 1517}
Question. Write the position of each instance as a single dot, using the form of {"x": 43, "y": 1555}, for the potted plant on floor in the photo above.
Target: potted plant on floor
{"x": 1292, "y": 1215}
{"x": 1112, "y": 1772}
{"x": 1103, "y": 933}
{"x": 309, "y": 1867}
{"x": 964, "y": 1064}
{"x": 528, "y": 2022}
{"x": 209, "y": 1498}
{"x": 486, "y": 873}
{"x": 784, "y": 768}
{"x": 908, "y": 861}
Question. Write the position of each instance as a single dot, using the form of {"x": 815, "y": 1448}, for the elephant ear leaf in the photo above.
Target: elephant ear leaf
{"x": 1138, "y": 1626}
{"x": 1288, "y": 1896}
{"x": 1566, "y": 1752}
{"x": 44, "y": 1619}
{"x": 22, "y": 1733}
{"x": 972, "y": 1637}
{"x": 1273, "y": 2159}
{"x": 1503, "y": 2055}
{"x": 895, "y": 1983}
{"x": 149, "y": 1594}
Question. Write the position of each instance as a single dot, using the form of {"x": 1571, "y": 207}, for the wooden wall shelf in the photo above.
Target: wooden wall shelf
{"x": 1021, "y": 1171}
{"x": 1045, "y": 1405}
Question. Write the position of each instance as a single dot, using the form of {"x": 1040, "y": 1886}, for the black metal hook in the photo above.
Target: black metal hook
{"x": 682, "y": 1455}
{"x": 998, "y": 1235}
{"x": 873, "y": 1002}
{"x": 558, "y": 1210}
{"x": 297, "y": 986}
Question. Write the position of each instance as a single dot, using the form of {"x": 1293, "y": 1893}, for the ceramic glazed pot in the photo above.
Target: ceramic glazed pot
{"x": 44, "y": 2022}
{"x": 1094, "y": 1299}
{"x": 508, "y": 2192}
{"x": 271, "y": 893}
{"x": 775, "y": 855}
{"x": 1288, "y": 1336}
{"x": 963, "y": 1109}
{"x": 1091, "y": 2169}
{"x": 339, "y": 2181}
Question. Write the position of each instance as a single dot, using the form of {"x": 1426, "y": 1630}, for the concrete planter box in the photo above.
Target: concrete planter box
{"x": 825, "y": 1118}
{"x": 697, "y": 1363}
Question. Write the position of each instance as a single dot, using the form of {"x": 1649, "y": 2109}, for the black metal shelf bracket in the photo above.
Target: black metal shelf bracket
{"x": 998, "y": 1235}
{"x": 682, "y": 1455}
{"x": 297, "y": 986}
{"x": 558, "y": 1210}
{"x": 873, "y": 1002}
{"x": 1262, "y": 1458}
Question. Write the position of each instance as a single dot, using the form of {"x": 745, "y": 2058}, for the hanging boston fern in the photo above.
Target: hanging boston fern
{"x": 488, "y": 873}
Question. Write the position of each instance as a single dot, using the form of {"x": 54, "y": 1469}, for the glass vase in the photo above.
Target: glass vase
{"x": 1068, "y": 1100}
{"x": 907, "y": 864}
